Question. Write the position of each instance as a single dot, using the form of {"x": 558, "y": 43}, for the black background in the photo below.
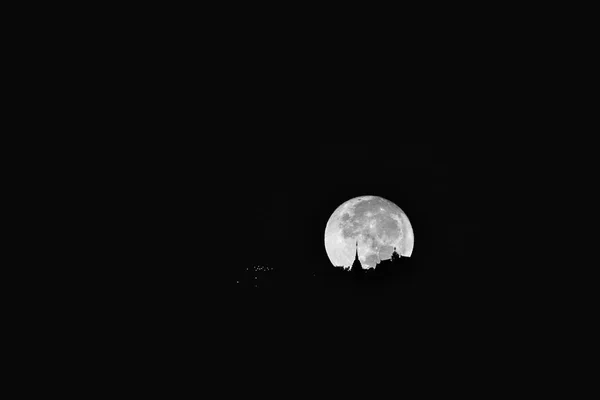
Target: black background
{"x": 257, "y": 192}
{"x": 252, "y": 178}
{"x": 220, "y": 155}
{"x": 240, "y": 166}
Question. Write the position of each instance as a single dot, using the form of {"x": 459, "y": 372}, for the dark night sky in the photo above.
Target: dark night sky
{"x": 241, "y": 167}
{"x": 279, "y": 160}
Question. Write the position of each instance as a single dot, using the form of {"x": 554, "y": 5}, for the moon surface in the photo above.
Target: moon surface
{"x": 375, "y": 245}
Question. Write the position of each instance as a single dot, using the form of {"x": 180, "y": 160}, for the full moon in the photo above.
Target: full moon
{"x": 371, "y": 226}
